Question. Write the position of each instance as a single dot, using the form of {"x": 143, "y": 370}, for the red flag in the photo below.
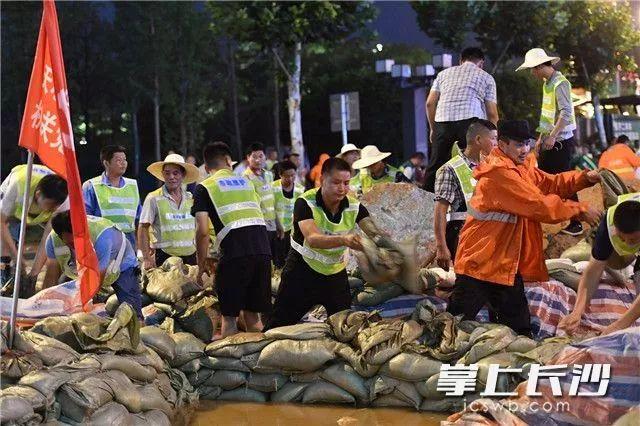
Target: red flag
{"x": 46, "y": 130}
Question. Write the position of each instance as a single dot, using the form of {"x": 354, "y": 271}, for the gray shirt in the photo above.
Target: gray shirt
{"x": 564, "y": 105}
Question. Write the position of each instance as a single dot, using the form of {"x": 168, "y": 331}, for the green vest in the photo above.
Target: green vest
{"x": 20, "y": 177}
{"x": 327, "y": 261}
{"x": 464, "y": 174}
{"x": 618, "y": 244}
{"x": 265, "y": 193}
{"x": 235, "y": 201}
{"x": 368, "y": 182}
{"x": 284, "y": 205}
{"x": 119, "y": 205}
{"x": 97, "y": 225}
{"x": 177, "y": 228}
{"x": 355, "y": 184}
{"x": 548, "y": 112}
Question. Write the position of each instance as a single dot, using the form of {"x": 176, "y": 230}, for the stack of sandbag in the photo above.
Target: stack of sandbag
{"x": 45, "y": 380}
{"x": 569, "y": 272}
{"x": 172, "y": 297}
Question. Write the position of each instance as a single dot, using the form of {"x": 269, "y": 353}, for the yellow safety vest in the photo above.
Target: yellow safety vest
{"x": 19, "y": 173}
{"x": 464, "y": 174}
{"x": 284, "y": 205}
{"x": 327, "y": 261}
{"x": 368, "y": 182}
{"x": 618, "y": 244}
{"x": 119, "y": 205}
{"x": 265, "y": 194}
{"x": 177, "y": 228}
{"x": 549, "y": 110}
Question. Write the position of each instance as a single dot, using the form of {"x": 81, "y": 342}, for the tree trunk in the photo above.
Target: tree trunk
{"x": 276, "y": 107}
{"x": 156, "y": 117}
{"x": 234, "y": 99}
{"x": 136, "y": 141}
{"x": 293, "y": 103}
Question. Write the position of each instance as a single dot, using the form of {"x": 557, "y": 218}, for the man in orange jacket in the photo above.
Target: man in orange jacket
{"x": 500, "y": 244}
{"x": 620, "y": 159}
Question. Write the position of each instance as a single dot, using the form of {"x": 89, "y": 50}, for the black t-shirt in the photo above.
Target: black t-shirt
{"x": 602, "y": 248}
{"x": 288, "y": 194}
{"x": 246, "y": 241}
{"x": 302, "y": 211}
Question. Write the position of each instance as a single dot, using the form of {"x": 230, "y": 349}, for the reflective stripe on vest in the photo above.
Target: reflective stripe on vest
{"x": 368, "y": 182}
{"x": 264, "y": 191}
{"x": 235, "y": 201}
{"x": 176, "y": 225}
{"x": 284, "y": 205}
{"x": 327, "y": 261}
{"x": 119, "y": 205}
{"x": 492, "y": 216}
{"x": 621, "y": 247}
{"x": 19, "y": 173}
{"x": 97, "y": 225}
{"x": 549, "y": 110}
{"x": 467, "y": 183}
{"x": 354, "y": 184}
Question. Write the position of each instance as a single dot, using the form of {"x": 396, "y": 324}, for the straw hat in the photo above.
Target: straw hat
{"x": 347, "y": 148}
{"x": 369, "y": 155}
{"x": 191, "y": 175}
{"x": 535, "y": 57}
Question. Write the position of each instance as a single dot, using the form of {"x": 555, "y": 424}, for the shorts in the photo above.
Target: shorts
{"x": 127, "y": 289}
{"x": 244, "y": 284}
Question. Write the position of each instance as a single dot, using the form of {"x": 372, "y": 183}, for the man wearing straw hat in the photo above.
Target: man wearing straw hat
{"x": 351, "y": 153}
{"x": 377, "y": 171}
{"x": 557, "y": 119}
{"x": 166, "y": 226}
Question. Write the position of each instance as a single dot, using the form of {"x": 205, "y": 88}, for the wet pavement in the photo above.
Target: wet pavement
{"x": 260, "y": 414}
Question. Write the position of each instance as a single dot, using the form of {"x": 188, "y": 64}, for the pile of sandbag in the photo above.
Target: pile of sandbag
{"x": 46, "y": 380}
{"x": 353, "y": 358}
{"x": 172, "y": 298}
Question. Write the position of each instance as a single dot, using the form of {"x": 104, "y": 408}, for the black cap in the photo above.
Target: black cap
{"x": 518, "y": 130}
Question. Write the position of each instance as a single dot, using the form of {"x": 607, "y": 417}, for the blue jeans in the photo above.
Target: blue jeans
{"x": 127, "y": 289}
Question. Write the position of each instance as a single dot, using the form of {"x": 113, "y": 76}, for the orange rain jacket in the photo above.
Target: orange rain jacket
{"x": 621, "y": 160}
{"x": 502, "y": 234}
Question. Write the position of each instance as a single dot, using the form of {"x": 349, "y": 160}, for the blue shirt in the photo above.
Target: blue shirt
{"x": 93, "y": 208}
{"x": 107, "y": 247}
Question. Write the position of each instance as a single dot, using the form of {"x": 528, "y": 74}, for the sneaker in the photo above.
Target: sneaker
{"x": 574, "y": 229}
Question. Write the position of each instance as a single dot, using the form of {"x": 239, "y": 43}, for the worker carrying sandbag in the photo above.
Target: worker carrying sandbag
{"x": 323, "y": 223}
{"x": 617, "y": 236}
{"x": 501, "y": 242}
{"x": 116, "y": 257}
{"x": 620, "y": 159}
{"x": 166, "y": 226}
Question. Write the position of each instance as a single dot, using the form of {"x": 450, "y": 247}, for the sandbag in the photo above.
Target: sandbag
{"x": 224, "y": 363}
{"x": 251, "y": 360}
{"x": 132, "y": 369}
{"x": 168, "y": 392}
{"x": 238, "y": 345}
{"x": 506, "y": 382}
{"x": 266, "y": 382}
{"x": 305, "y": 331}
{"x": 381, "y": 341}
{"x": 191, "y": 366}
{"x": 199, "y": 318}
{"x": 124, "y": 392}
{"x": 490, "y": 342}
{"x": 111, "y": 413}
{"x": 522, "y": 344}
{"x": 391, "y": 400}
{"x": 188, "y": 347}
{"x": 404, "y": 391}
{"x": 185, "y": 392}
{"x": 410, "y": 367}
{"x": 152, "y": 399}
{"x": 46, "y": 382}
{"x": 80, "y": 400}
{"x": 169, "y": 286}
{"x": 160, "y": 341}
{"x": 565, "y": 273}
{"x": 151, "y": 418}
{"x": 344, "y": 376}
{"x": 373, "y": 296}
{"x": 15, "y": 364}
{"x": 209, "y": 392}
{"x": 38, "y": 401}
{"x": 297, "y": 355}
{"x": 49, "y": 350}
{"x": 428, "y": 389}
{"x": 328, "y": 393}
{"x": 356, "y": 361}
{"x": 147, "y": 358}
{"x": 290, "y": 392}
{"x": 199, "y": 377}
{"x": 310, "y": 377}
{"x": 346, "y": 324}
{"x": 153, "y": 315}
{"x": 17, "y": 410}
{"x": 243, "y": 394}
{"x": 578, "y": 253}
{"x": 112, "y": 304}
{"x": 378, "y": 265}
{"x": 227, "y": 380}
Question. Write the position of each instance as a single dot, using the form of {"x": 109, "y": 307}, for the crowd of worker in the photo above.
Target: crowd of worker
{"x": 495, "y": 182}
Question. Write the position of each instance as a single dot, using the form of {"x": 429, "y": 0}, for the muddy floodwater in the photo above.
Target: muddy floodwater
{"x": 246, "y": 413}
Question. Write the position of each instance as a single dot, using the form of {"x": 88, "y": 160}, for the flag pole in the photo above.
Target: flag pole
{"x": 23, "y": 226}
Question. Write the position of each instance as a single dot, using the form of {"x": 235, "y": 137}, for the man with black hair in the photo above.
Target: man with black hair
{"x": 323, "y": 223}
{"x": 620, "y": 159}
{"x": 618, "y": 235}
{"x": 116, "y": 258}
{"x": 48, "y": 194}
{"x": 458, "y": 95}
{"x": 285, "y": 193}
{"x": 113, "y": 196}
{"x": 243, "y": 275}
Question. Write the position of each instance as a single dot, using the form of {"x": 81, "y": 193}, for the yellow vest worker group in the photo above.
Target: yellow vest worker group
{"x": 97, "y": 225}
{"x": 235, "y": 201}
{"x": 327, "y": 261}
{"x": 283, "y": 205}
{"x": 548, "y": 114}
{"x": 618, "y": 244}
{"x": 20, "y": 176}
{"x": 119, "y": 205}
{"x": 177, "y": 226}
{"x": 368, "y": 182}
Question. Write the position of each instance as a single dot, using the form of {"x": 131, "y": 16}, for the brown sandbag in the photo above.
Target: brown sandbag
{"x": 489, "y": 342}
{"x": 327, "y": 393}
{"x": 429, "y": 388}
{"x": 152, "y": 399}
{"x": 129, "y": 367}
{"x": 357, "y": 362}
{"x": 343, "y": 375}
{"x": 290, "y": 392}
{"x": 81, "y": 399}
{"x": 151, "y": 418}
{"x": 111, "y": 413}
{"x": 224, "y": 363}
{"x": 400, "y": 389}
{"x": 243, "y": 394}
{"x": 305, "y": 331}
{"x": 238, "y": 345}
{"x": 38, "y": 401}
{"x": 124, "y": 392}
{"x": 297, "y": 355}
{"x": 411, "y": 367}
{"x": 49, "y": 350}
{"x": 160, "y": 341}
{"x": 209, "y": 392}
{"x": 373, "y": 296}
{"x": 15, "y": 364}
{"x": 188, "y": 347}
{"x": 227, "y": 380}
{"x": 346, "y": 324}
{"x": 17, "y": 410}
{"x": 266, "y": 382}
{"x": 191, "y": 366}
{"x": 169, "y": 284}
{"x": 200, "y": 376}
{"x": 383, "y": 340}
